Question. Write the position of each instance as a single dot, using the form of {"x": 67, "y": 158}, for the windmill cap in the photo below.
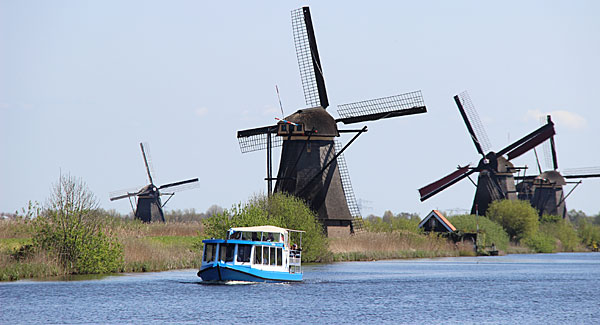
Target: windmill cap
{"x": 316, "y": 118}
{"x": 554, "y": 177}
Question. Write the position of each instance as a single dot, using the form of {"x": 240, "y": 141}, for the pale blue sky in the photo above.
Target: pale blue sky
{"x": 83, "y": 82}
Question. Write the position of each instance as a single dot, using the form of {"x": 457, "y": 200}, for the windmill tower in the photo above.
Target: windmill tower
{"x": 495, "y": 180}
{"x": 149, "y": 207}
{"x": 310, "y": 166}
{"x": 545, "y": 191}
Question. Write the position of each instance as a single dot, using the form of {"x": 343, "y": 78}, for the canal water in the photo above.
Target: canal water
{"x": 524, "y": 289}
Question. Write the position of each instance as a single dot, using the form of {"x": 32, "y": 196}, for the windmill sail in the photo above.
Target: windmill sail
{"x": 357, "y": 220}
{"x": 311, "y": 72}
{"x": 256, "y": 139}
{"x": 473, "y": 123}
{"x": 386, "y": 107}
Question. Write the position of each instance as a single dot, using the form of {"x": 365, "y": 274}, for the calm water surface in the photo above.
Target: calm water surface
{"x": 526, "y": 289}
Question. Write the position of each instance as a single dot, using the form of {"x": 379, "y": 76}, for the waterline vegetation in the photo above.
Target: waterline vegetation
{"x": 71, "y": 235}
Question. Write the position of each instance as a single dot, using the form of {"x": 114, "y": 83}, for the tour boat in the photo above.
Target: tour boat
{"x": 253, "y": 254}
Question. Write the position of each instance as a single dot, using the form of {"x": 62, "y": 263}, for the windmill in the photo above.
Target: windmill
{"x": 545, "y": 191}
{"x": 495, "y": 180}
{"x": 311, "y": 167}
{"x": 149, "y": 207}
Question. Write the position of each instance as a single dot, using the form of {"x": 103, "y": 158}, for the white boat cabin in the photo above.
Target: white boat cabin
{"x": 266, "y": 248}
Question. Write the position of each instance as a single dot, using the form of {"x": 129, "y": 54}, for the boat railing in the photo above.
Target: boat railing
{"x": 295, "y": 261}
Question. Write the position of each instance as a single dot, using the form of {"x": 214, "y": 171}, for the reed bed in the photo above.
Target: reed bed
{"x": 393, "y": 245}
{"x": 160, "y": 253}
{"x": 10, "y": 228}
{"x": 36, "y": 265}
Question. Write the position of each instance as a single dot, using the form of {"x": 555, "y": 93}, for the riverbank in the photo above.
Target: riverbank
{"x": 169, "y": 246}
{"x": 146, "y": 248}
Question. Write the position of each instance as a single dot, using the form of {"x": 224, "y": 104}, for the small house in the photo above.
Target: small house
{"x": 436, "y": 222}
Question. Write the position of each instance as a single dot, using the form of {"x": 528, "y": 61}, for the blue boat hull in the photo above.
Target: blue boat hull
{"x": 224, "y": 272}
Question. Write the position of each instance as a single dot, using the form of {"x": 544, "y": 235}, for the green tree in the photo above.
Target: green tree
{"x": 490, "y": 231}
{"x": 70, "y": 228}
{"x": 279, "y": 210}
{"x": 517, "y": 217}
{"x": 390, "y": 223}
{"x": 576, "y": 216}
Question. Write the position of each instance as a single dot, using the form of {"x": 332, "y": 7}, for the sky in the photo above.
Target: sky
{"x": 82, "y": 83}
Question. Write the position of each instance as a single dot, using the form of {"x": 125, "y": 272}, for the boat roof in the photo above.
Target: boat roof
{"x": 264, "y": 229}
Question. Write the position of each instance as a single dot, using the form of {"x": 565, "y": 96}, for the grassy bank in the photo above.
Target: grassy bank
{"x": 369, "y": 246}
{"x": 160, "y": 247}
{"x": 146, "y": 247}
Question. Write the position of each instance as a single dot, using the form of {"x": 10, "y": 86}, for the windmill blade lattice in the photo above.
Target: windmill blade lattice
{"x": 583, "y": 172}
{"x": 547, "y": 150}
{"x": 480, "y": 135}
{"x": 385, "y": 107}
{"x": 311, "y": 73}
{"x": 146, "y": 154}
{"x": 125, "y": 193}
{"x": 346, "y": 183}
{"x": 256, "y": 139}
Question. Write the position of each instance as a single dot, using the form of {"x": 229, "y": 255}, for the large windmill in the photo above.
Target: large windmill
{"x": 149, "y": 207}
{"x": 311, "y": 167}
{"x": 545, "y": 191}
{"x": 495, "y": 181}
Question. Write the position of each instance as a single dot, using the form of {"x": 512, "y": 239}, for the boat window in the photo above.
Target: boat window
{"x": 244, "y": 253}
{"x": 255, "y": 236}
{"x": 226, "y": 252}
{"x": 230, "y": 252}
{"x": 279, "y": 256}
{"x": 209, "y": 252}
{"x": 265, "y": 255}
{"x": 272, "y": 255}
{"x": 246, "y": 236}
{"x": 257, "y": 255}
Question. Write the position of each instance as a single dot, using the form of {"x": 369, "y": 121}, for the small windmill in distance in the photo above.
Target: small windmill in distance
{"x": 149, "y": 207}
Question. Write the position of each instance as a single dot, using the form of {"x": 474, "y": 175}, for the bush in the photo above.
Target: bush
{"x": 279, "y": 210}
{"x": 563, "y": 233}
{"x": 490, "y": 231}
{"x": 70, "y": 228}
{"x": 589, "y": 234}
{"x": 541, "y": 243}
{"x": 517, "y": 217}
